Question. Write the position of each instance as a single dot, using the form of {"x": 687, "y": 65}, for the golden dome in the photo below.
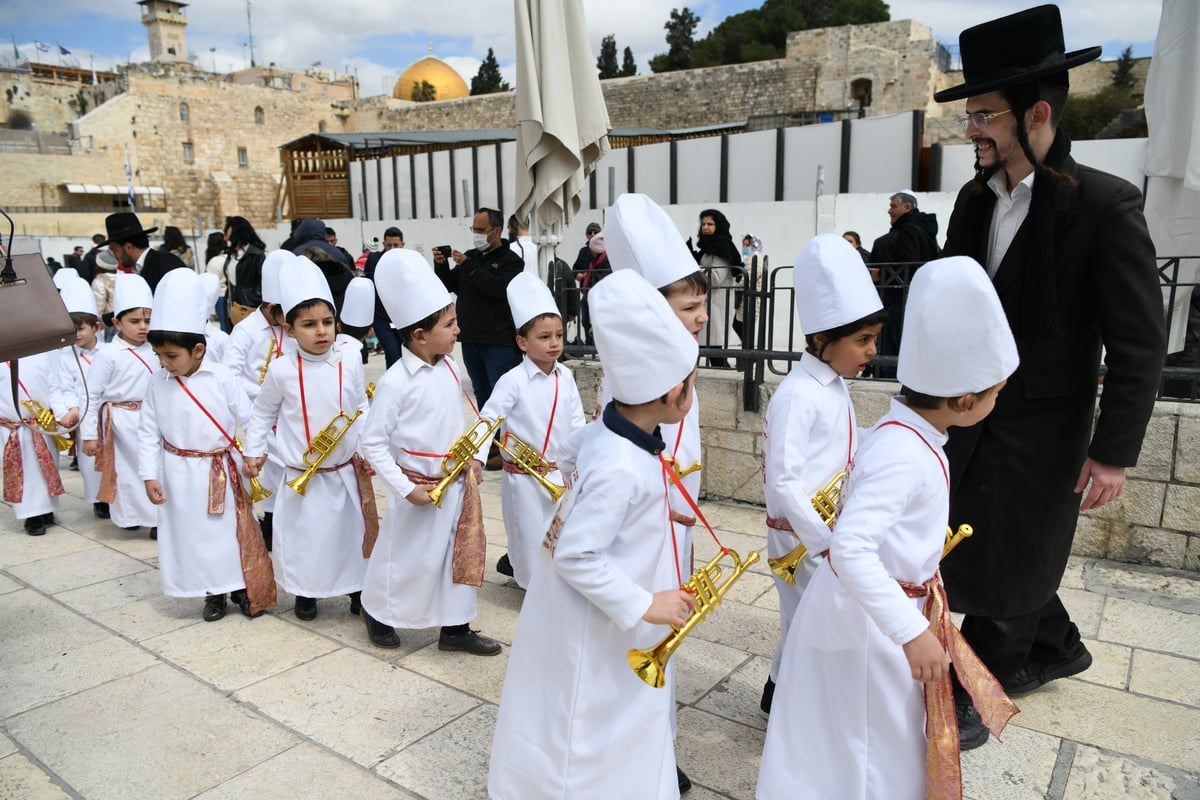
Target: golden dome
{"x": 443, "y": 77}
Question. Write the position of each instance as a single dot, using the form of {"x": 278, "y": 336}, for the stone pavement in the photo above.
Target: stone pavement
{"x": 108, "y": 689}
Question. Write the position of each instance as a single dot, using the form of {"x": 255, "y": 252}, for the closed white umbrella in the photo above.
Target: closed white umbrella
{"x": 562, "y": 121}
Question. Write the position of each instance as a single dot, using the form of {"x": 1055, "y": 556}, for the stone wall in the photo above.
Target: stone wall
{"x": 1156, "y": 521}
{"x": 51, "y": 107}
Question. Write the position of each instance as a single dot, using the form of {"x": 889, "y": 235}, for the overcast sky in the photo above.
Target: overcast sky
{"x": 377, "y": 40}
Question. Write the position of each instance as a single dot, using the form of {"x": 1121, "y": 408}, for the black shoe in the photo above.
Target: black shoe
{"x": 267, "y": 529}
{"x": 74, "y": 465}
{"x": 380, "y": 635}
{"x": 306, "y": 608}
{"x": 131, "y": 527}
{"x": 355, "y": 602}
{"x": 49, "y": 519}
{"x": 242, "y": 599}
{"x": 154, "y": 534}
{"x": 214, "y": 607}
{"x": 971, "y": 733}
{"x": 1035, "y": 675}
{"x": 685, "y": 782}
{"x": 767, "y": 696}
{"x": 469, "y": 642}
{"x": 100, "y": 510}
{"x": 35, "y": 526}
{"x": 504, "y": 566}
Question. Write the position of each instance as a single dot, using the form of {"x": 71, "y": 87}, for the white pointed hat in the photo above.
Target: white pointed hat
{"x": 179, "y": 303}
{"x": 833, "y": 286}
{"x": 956, "y": 337}
{"x": 304, "y": 281}
{"x": 528, "y": 297}
{"x": 212, "y": 285}
{"x": 358, "y": 307}
{"x": 644, "y": 347}
{"x": 639, "y": 235}
{"x": 64, "y": 275}
{"x": 273, "y": 265}
{"x": 408, "y": 287}
{"x": 131, "y": 291}
{"x": 78, "y": 298}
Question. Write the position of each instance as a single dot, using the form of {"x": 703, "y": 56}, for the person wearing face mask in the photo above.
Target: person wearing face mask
{"x": 480, "y": 277}
{"x": 596, "y": 268}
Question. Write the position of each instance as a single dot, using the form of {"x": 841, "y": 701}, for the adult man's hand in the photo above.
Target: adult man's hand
{"x": 1107, "y": 483}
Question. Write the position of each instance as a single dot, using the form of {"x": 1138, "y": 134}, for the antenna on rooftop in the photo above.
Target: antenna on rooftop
{"x": 250, "y": 31}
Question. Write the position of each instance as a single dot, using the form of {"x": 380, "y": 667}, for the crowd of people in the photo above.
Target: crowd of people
{"x": 249, "y": 456}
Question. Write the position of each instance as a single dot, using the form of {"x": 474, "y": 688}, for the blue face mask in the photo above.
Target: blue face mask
{"x": 745, "y": 251}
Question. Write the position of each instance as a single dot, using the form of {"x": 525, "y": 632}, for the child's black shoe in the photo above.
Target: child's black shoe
{"x": 100, "y": 510}
{"x": 306, "y": 608}
{"x": 214, "y": 607}
{"x": 469, "y": 642}
{"x": 380, "y": 635}
{"x": 504, "y": 566}
{"x": 35, "y": 526}
{"x": 355, "y": 602}
{"x": 242, "y": 600}
{"x": 685, "y": 783}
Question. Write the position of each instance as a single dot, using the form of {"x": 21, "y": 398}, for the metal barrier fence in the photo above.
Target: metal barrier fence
{"x": 753, "y": 327}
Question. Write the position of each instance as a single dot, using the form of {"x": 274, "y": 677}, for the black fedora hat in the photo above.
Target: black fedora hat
{"x": 123, "y": 226}
{"x": 1020, "y": 48}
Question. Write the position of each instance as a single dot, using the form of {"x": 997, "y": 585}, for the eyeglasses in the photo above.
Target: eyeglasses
{"x": 979, "y": 119}
{"x": 488, "y": 229}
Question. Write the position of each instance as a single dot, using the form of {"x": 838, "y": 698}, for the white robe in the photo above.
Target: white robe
{"x": 43, "y": 381}
{"x": 575, "y": 721}
{"x": 848, "y": 720}
{"x": 216, "y": 343}
{"x": 245, "y": 353}
{"x": 317, "y": 546}
{"x": 524, "y": 396}
{"x": 198, "y": 552}
{"x": 417, "y": 407}
{"x": 121, "y": 373}
{"x": 809, "y": 435}
{"x": 78, "y": 387}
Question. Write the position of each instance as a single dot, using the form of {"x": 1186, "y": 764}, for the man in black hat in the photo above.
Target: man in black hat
{"x": 1072, "y": 261}
{"x": 128, "y": 242}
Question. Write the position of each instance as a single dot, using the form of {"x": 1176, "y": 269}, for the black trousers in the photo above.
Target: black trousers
{"x": 1005, "y": 644}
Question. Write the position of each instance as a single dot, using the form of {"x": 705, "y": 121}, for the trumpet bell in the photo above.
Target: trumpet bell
{"x": 647, "y": 668}
{"x": 258, "y": 492}
{"x": 785, "y": 566}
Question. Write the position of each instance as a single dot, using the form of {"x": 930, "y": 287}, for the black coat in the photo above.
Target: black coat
{"x": 1013, "y": 475}
{"x": 480, "y": 284}
{"x": 381, "y": 314}
{"x": 157, "y": 264}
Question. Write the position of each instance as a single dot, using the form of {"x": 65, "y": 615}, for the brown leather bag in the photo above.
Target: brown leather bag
{"x": 34, "y": 317}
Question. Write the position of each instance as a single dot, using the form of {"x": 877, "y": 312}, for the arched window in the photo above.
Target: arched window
{"x": 860, "y": 90}
{"x": 321, "y": 126}
{"x": 258, "y": 115}
{"x": 185, "y": 113}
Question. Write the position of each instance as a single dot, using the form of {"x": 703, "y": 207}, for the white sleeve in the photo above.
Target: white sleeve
{"x": 262, "y": 418}
{"x": 98, "y": 378}
{"x": 385, "y": 411}
{"x": 150, "y": 438}
{"x": 790, "y": 424}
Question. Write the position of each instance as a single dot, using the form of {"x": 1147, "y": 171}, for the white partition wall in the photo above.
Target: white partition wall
{"x": 752, "y": 163}
{"x": 808, "y": 151}
{"x": 698, "y": 169}
{"x": 881, "y": 154}
{"x": 652, "y": 171}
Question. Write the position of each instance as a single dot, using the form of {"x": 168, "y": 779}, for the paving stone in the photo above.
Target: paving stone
{"x": 7, "y": 585}
{"x": 108, "y": 742}
{"x": 748, "y": 628}
{"x": 1165, "y": 589}
{"x": 1085, "y": 609}
{"x": 33, "y": 627}
{"x": 135, "y": 544}
{"x": 482, "y": 677}
{"x": 305, "y": 772}
{"x": 1073, "y": 577}
{"x": 236, "y": 651}
{"x": 1097, "y": 776}
{"x": 700, "y": 666}
{"x": 358, "y": 706}
{"x": 21, "y": 779}
{"x": 153, "y": 616}
{"x": 769, "y": 601}
{"x": 1019, "y": 768}
{"x": 737, "y": 697}
{"x": 721, "y": 755}
{"x": 1168, "y": 677}
{"x": 452, "y": 762}
{"x": 70, "y": 669}
{"x": 85, "y": 568}
{"x": 1115, "y": 720}
{"x": 21, "y": 549}
{"x": 750, "y": 588}
{"x": 1110, "y": 664}
{"x": 1151, "y": 628}
{"x": 7, "y": 746}
{"x": 113, "y": 592}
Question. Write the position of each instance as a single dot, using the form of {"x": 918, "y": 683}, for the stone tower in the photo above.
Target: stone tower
{"x": 166, "y": 25}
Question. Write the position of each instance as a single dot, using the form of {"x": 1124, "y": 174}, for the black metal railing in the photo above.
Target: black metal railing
{"x": 760, "y": 303}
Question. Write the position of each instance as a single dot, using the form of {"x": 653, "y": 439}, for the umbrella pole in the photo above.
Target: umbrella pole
{"x": 547, "y": 239}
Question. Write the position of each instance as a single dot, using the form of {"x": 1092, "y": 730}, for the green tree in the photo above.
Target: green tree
{"x": 1084, "y": 117}
{"x": 1122, "y": 77}
{"x": 607, "y": 62}
{"x": 681, "y": 31}
{"x": 488, "y": 80}
{"x": 628, "y": 65}
{"x": 424, "y": 92}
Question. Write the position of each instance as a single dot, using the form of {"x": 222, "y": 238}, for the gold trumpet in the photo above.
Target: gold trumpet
{"x": 465, "y": 448}
{"x": 324, "y": 443}
{"x": 952, "y": 539}
{"x": 45, "y": 418}
{"x": 370, "y": 391}
{"x": 824, "y": 502}
{"x": 531, "y": 463}
{"x": 682, "y": 473}
{"x": 262, "y": 373}
{"x": 258, "y": 492}
{"x": 651, "y": 665}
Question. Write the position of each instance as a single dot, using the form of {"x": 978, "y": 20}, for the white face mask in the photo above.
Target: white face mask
{"x": 480, "y": 241}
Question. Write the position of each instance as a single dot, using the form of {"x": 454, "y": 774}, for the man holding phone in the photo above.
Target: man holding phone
{"x": 392, "y": 238}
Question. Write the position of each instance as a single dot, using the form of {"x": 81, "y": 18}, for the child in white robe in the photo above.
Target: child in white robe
{"x": 575, "y": 720}
{"x": 540, "y": 404}
{"x": 81, "y": 305}
{"x": 117, "y": 384}
{"x": 428, "y": 562}
{"x": 849, "y": 717}
{"x": 809, "y": 432}
{"x": 208, "y": 542}
{"x": 355, "y": 317}
{"x": 326, "y": 531}
{"x": 32, "y": 483}
{"x": 216, "y": 339}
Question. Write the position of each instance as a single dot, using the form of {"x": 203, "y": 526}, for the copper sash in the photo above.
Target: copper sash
{"x": 256, "y": 562}
{"x": 470, "y": 543}
{"x": 943, "y": 770}
{"x": 106, "y": 463}
{"x": 14, "y": 467}
{"x": 512, "y": 468}
{"x": 780, "y": 524}
{"x": 366, "y": 499}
